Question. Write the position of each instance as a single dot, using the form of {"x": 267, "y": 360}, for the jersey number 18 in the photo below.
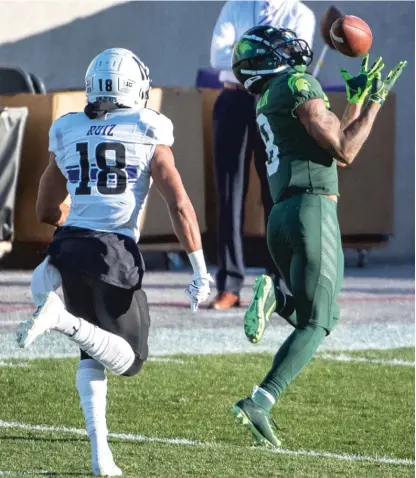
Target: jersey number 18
{"x": 115, "y": 173}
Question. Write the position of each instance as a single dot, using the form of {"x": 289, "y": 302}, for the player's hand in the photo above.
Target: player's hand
{"x": 381, "y": 88}
{"x": 359, "y": 86}
{"x": 199, "y": 290}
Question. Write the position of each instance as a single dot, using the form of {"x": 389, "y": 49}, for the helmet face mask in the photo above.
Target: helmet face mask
{"x": 118, "y": 76}
{"x": 266, "y": 51}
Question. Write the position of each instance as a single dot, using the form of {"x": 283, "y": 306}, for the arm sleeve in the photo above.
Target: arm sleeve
{"x": 223, "y": 39}
{"x": 304, "y": 88}
{"x": 154, "y": 128}
{"x": 305, "y": 24}
{"x": 164, "y": 132}
{"x": 53, "y": 142}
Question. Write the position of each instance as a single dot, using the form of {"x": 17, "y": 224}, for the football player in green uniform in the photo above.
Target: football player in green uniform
{"x": 305, "y": 142}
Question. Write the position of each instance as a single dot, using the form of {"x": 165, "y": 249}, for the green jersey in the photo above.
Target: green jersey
{"x": 295, "y": 160}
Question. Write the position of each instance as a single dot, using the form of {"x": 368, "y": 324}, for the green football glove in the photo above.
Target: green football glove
{"x": 381, "y": 88}
{"x": 359, "y": 86}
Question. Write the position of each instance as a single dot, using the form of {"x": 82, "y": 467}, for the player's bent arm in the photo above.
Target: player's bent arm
{"x": 325, "y": 128}
{"x": 185, "y": 224}
{"x": 51, "y": 205}
{"x": 182, "y": 213}
{"x": 352, "y": 112}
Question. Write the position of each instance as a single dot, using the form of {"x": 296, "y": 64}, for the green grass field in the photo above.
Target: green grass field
{"x": 338, "y": 419}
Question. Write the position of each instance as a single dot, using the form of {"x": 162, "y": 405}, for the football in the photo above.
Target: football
{"x": 327, "y": 20}
{"x": 351, "y": 36}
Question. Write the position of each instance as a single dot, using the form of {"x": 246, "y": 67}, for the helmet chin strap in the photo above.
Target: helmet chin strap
{"x": 260, "y": 75}
{"x": 249, "y": 82}
{"x": 265, "y": 72}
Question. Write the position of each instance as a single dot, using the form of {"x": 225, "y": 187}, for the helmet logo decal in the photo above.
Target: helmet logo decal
{"x": 244, "y": 47}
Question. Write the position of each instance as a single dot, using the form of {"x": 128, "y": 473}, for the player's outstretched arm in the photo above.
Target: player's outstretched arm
{"x": 182, "y": 213}
{"x": 184, "y": 221}
{"x": 52, "y": 203}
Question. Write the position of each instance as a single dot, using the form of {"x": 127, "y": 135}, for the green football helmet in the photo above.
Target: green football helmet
{"x": 265, "y": 51}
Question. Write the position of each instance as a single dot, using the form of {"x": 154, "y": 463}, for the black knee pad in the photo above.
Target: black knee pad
{"x": 134, "y": 368}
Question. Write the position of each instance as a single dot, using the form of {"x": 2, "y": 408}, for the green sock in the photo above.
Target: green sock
{"x": 292, "y": 357}
{"x": 285, "y": 306}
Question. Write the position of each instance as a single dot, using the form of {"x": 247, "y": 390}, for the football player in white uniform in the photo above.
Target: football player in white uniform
{"x": 106, "y": 159}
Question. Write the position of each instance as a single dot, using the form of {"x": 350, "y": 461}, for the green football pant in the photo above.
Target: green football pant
{"x": 304, "y": 240}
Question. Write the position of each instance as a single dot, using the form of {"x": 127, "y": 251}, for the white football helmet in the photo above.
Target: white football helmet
{"x": 119, "y": 76}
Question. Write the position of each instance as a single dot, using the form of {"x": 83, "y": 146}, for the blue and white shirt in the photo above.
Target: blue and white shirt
{"x": 107, "y": 166}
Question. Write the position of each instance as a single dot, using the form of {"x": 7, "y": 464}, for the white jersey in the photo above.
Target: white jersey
{"x": 106, "y": 162}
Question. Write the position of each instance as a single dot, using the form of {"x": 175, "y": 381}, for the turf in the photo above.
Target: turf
{"x": 335, "y": 407}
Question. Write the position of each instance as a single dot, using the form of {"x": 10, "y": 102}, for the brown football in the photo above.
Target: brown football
{"x": 351, "y": 36}
{"x": 328, "y": 18}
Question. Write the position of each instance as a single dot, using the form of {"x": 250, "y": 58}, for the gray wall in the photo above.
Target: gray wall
{"x": 173, "y": 38}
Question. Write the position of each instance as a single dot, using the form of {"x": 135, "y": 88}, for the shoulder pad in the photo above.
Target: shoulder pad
{"x": 56, "y": 132}
{"x": 303, "y": 83}
{"x": 155, "y": 127}
{"x": 63, "y": 116}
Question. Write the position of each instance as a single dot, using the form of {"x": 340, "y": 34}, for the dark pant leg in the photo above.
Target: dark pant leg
{"x": 310, "y": 226}
{"x": 233, "y": 112}
{"x": 260, "y": 159}
{"x": 281, "y": 253}
{"x": 78, "y": 297}
{"x": 314, "y": 236}
{"x": 124, "y": 312}
{"x": 339, "y": 280}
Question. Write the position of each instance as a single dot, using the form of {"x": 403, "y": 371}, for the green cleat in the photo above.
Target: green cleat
{"x": 260, "y": 309}
{"x": 257, "y": 419}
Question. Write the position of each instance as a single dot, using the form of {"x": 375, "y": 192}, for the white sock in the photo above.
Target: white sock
{"x": 45, "y": 278}
{"x": 92, "y": 390}
{"x": 68, "y": 324}
{"x": 112, "y": 351}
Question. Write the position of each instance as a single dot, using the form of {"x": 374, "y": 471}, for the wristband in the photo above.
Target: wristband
{"x": 198, "y": 263}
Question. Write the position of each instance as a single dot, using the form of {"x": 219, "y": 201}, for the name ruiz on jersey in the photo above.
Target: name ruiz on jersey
{"x": 105, "y": 130}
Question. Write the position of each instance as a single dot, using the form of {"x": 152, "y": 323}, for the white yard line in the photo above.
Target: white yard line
{"x": 15, "y": 364}
{"x": 166, "y": 359}
{"x": 186, "y": 442}
{"x": 350, "y": 358}
{"x": 25, "y": 473}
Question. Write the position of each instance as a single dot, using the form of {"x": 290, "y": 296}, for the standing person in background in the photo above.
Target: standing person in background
{"x": 236, "y": 135}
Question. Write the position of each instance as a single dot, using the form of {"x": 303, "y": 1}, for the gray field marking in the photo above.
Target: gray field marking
{"x": 170, "y": 342}
{"x": 352, "y": 359}
{"x": 370, "y": 318}
{"x": 186, "y": 442}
